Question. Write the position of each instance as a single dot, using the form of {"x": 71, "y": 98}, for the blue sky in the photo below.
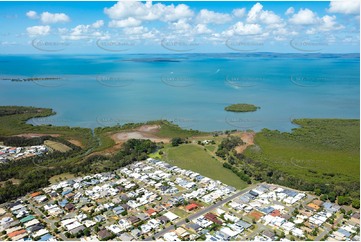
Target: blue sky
{"x": 127, "y": 27}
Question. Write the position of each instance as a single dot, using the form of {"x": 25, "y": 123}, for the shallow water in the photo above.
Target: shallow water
{"x": 190, "y": 90}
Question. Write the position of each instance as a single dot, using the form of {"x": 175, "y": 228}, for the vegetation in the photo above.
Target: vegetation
{"x": 177, "y": 141}
{"x": 34, "y": 172}
{"x": 322, "y": 155}
{"x": 241, "y": 107}
{"x": 228, "y": 145}
{"x": 37, "y": 174}
{"x": 193, "y": 157}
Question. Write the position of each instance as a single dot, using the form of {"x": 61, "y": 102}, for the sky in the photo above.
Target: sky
{"x": 131, "y": 27}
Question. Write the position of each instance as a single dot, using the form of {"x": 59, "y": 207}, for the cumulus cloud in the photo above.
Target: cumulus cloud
{"x": 129, "y": 22}
{"x": 32, "y": 14}
{"x": 257, "y": 14}
{"x": 345, "y": 7}
{"x": 290, "y": 10}
{"x": 304, "y": 17}
{"x": 239, "y": 12}
{"x": 148, "y": 11}
{"x": 38, "y": 30}
{"x": 328, "y": 23}
{"x": 254, "y": 12}
{"x": 205, "y": 16}
{"x": 202, "y": 29}
{"x": 244, "y": 29}
{"x": 84, "y": 31}
{"x": 51, "y": 18}
{"x": 98, "y": 24}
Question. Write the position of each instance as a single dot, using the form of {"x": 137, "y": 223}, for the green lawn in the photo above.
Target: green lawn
{"x": 211, "y": 148}
{"x": 193, "y": 157}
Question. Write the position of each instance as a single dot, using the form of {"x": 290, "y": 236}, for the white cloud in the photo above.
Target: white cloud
{"x": 202, "y": 29}
{"x": 328, "y": 23}
{"x": 38, "y": 30}
{"x": 84, "y": 31}
{"x": 253, "y": 13}
{"x": 32, "y": 14}
{"x": 181, "y": 26}
{"x": 304, "y": 17}
{"x": 51, "y": 18}
{"x": 244, "y": 29}
{"x": 125, "y": 23}
{"x": 148, "y": 11}
{"x": 345, "y": 7}
{"x": 290, "y": 10}
{"x": 136, "y": 30}
{"x": 257, "y": 14}
{"x": 181, "y": 11}
{"x": 98, "y": 24}
{"x": 205, "y": 16}
{"x": 239, "y": 12}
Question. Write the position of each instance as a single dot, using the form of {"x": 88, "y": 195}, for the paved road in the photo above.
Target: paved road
{"x": 201, "y": 212}
{"x": 48, "y": 221}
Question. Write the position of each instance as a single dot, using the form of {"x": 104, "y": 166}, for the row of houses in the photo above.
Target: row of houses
{"x": 17, "y": 222}
{"x": 13, "y": 153}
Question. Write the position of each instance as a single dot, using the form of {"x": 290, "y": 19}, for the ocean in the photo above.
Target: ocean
{"x": 190, "y": 90}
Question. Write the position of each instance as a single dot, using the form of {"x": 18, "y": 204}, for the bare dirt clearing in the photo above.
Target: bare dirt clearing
{"x": 143, "y": 132}
{"x": 32, "y": 135}
{"x": 248, "y": 139}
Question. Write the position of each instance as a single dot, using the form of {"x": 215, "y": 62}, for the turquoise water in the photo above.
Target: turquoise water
{"x": 190, "y": 90}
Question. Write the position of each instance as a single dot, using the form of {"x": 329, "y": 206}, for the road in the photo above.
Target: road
{"x": 48, "y": 221}
{"x": 201, "y": 212}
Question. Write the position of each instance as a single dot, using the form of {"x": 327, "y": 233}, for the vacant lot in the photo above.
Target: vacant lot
{"x": 57, "y": 146}
{"x": 61, "y": 177}
{"x": 193, "y": 157}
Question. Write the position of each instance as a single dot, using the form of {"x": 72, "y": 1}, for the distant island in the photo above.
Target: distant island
{"x": 30, "y": 79}
{"x": 241, "y": 107}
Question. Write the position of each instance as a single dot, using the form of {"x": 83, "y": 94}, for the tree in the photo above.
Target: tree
{"x": 343, "y": 200}
{"x": 356, "y": 203}
{"x": 318, "y": 191}
{"x": 332, "y": 196}
{"x": 176, "y": 141}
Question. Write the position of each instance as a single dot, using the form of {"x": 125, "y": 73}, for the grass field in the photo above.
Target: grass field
{"x": 57, "y": 146}
{"x": 61, "y": 177}
{"x": 320, "y": 151}
{"x": 194, "y": 158}
{"x": 179, "y": 212}
{"x": 170, "y": 130}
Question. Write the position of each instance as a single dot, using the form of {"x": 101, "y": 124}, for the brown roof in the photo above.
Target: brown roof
{"x": 133, "y": 219}
{"x": 15, "y": 233}
{"x": 69, "y": 206}
{"x": 275, "y": 213}
{"x": 191, "y": 206}
{"x": 255, "y": 214}
{"x": 212, "y": 217}
{"x": 313, "y": 206}
{"x": 317, "y": 202}
{"x": 104, "y": 234}
{"x": 151, "y": 211}
{"x": 35, "y": 194}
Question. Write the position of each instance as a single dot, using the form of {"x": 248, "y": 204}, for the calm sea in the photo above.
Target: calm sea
{"x": 190, "y": 90}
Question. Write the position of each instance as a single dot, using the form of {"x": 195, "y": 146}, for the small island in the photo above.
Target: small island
{"x": 241, "y": 107}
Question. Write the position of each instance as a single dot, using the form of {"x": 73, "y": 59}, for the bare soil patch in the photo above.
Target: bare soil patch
{"x": 32, "y": 135}
{"x": 143, "y": 132}
{"x": 248, "y": 139}
{"x": 76, "y": 142}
